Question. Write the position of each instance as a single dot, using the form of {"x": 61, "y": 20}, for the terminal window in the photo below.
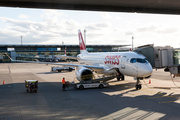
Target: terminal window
{"x": 10, "y": 49}
{"x": 46, "y": 49}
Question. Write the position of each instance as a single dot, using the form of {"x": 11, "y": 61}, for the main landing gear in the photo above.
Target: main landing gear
{"x": 138, "y": 84}
{"x": 119, "y": 76}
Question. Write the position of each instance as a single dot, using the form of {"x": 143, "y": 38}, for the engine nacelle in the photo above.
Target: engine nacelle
{"x": 84, "y": 74}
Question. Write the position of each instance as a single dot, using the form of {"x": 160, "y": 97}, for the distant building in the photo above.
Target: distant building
{"x": 32, "y": 50}
{"x": 60, "y": 48}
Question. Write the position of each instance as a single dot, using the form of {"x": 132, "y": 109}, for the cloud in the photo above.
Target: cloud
{"x": 168, "y": 30}
{"x": 22, "y": 16}
{"x": 120, "y": 41}
{"x": 52, "y": 27}
{"x": 20, "y": 23}
{"x": 65, "y": 34}
{"x": 94, "y": 35}
{"x": 147, "y": 29}
{"x": 105, "y": 15}
{"x": 129, "y": 33}
{"x": 98, "y": 26}
{"x": 118, "y": 18}
{"x": 160, "y": 29}
{"x": 52, "y": 14}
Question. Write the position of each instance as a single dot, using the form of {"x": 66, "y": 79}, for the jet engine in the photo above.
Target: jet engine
{"x": 84, "y": 74}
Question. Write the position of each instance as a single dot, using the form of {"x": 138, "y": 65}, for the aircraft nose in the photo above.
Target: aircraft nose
{"x": 148, "y": 71}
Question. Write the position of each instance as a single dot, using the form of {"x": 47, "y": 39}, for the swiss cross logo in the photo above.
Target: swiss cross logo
{"x": 113, "y": 60}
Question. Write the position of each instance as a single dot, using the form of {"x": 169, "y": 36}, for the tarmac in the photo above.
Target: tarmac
{"x": 157, "y": 100}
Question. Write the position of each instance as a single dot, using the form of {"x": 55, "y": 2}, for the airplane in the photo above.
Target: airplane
{"x": 120, "y": 63}
{"x": 65, "y": 57}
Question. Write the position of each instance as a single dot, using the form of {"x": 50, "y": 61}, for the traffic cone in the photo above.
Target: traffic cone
{"x": 149, "y": 81}
{"x": 3, "y": 82}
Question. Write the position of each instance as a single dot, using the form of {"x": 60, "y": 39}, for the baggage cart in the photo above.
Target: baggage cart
{"x": 31, "y": 85}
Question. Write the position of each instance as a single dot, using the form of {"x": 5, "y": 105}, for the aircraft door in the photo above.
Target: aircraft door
{"x": 123, "y": 60}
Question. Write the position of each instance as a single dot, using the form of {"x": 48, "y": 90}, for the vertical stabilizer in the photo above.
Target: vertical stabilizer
{"x": 81, "y": 43}
{"x": 65, "y": 51}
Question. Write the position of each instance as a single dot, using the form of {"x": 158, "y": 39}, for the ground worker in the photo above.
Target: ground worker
{"x": 63, "y": 83}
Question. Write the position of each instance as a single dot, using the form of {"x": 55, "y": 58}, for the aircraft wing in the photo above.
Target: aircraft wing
{"x": 94, "y": 67}
{"x": 67, "y": 57}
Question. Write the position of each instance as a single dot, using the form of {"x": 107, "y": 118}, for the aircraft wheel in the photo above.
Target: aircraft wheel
{"x": 118, "y": 79}
{"x": 122, "y": 77}
{"x": 81, "y": 87}
{"x": 136, "y": 87}
{"x": 101, "y": 86}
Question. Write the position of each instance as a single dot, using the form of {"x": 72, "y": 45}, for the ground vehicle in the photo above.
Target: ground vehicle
{"x": 31, "y": 85}
{"x": 94, "y": 83}
{"x": 81, "y": 86}
{"x": 59, "y": 69}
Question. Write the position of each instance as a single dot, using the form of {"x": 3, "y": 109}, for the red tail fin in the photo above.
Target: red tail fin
{"x": 65, "y": 51}
{"x": 81, "y": 43}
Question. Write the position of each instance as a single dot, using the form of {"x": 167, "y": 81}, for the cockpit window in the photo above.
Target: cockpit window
{"x": 146, "y": 60}
{"x": 139, "y": 60}
{"x": 133, "y": 60}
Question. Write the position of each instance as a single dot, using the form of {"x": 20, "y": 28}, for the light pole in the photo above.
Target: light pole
{"x": 21, "y": 39}
{"x": 85, "y": 36}
{"x": 132, "y": 42}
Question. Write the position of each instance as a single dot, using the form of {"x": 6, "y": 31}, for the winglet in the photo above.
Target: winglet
{"x": 81, "y": 43}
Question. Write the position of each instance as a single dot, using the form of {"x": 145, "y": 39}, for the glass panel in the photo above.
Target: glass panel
{"x": 141, "y": 60}
{"x": 176, "y": 57}
{"x": 133, "y": 60}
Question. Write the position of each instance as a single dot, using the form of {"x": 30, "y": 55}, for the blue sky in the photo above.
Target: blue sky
{"x": 44, "y": 26}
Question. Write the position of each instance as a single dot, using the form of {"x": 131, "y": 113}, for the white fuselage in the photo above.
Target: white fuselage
{"x": 128, "y": 63}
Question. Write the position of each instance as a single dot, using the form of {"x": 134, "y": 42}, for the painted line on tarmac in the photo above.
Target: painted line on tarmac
{"x": 166, "y": 102}
{"x": 163, "y": 96}
{"x": 172, "y": 96}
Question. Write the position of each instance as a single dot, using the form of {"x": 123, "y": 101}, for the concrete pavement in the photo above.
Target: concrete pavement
{"x": 118, "y": 101}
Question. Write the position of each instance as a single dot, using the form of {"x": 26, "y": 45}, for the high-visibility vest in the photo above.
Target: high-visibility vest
{"x": 63, "y": 81}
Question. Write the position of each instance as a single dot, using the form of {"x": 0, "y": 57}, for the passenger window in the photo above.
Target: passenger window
{"x": 133, "y": 60}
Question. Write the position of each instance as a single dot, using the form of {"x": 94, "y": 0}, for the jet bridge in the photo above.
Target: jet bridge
{"x": 162, "y": 57}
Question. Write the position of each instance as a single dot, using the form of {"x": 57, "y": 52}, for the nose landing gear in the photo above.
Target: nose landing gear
{"x": 138, "y": 85}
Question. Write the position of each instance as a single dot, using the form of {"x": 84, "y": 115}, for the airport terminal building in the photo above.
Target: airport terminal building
{"x": 60, "y": 48}
{"x": 18, "y": 51}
